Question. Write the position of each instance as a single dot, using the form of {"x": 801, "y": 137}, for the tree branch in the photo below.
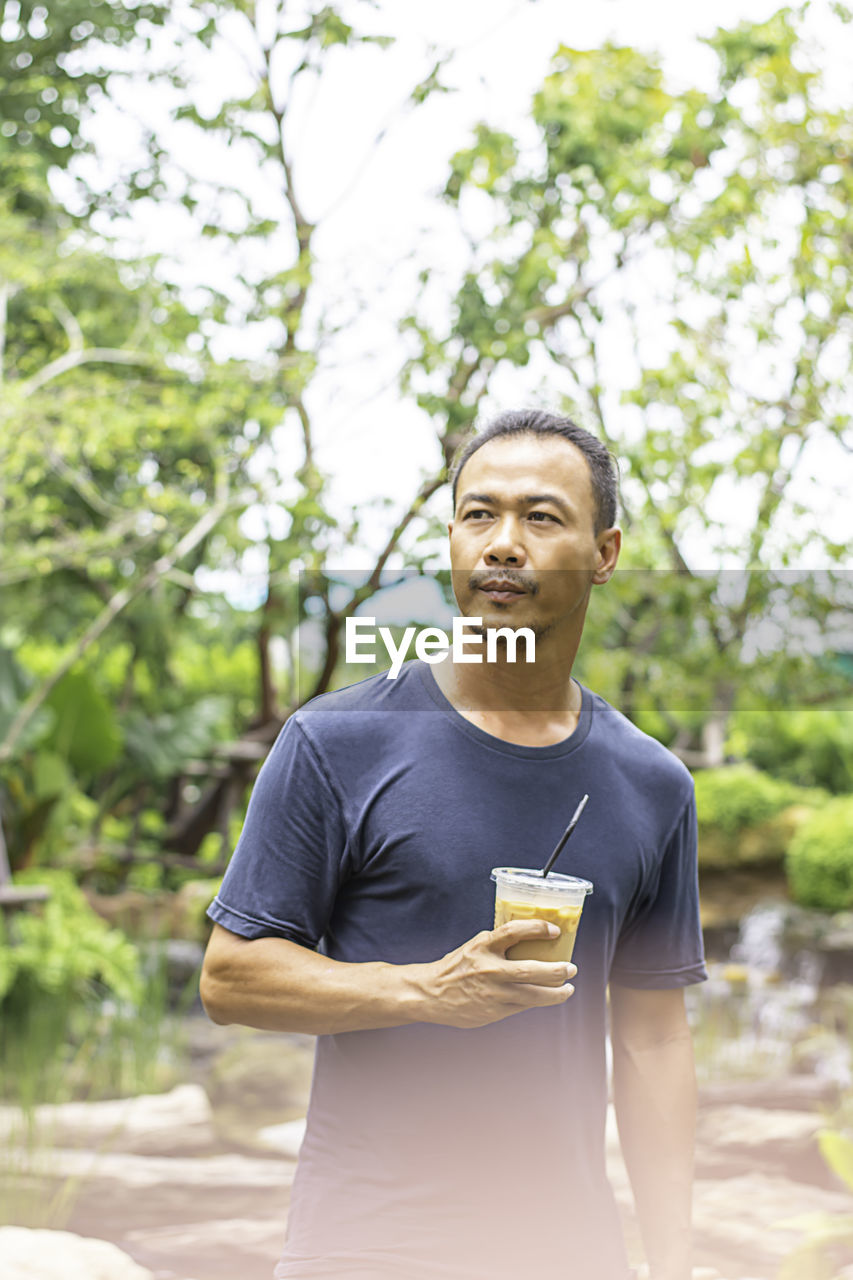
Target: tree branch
{"x": 83, "y": 486}
{"x": 73, "y": 359}
{"x": 304, "y": 230}
{"x": 63, "y": 552}
{"x": 70, "y": 324}
{"x": 549, "y": 316}
{"x": 427, "y": 489}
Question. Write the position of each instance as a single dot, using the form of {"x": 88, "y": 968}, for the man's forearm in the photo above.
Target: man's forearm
{"x": 276, "y": 985}
{"x": 654, "y": 1086}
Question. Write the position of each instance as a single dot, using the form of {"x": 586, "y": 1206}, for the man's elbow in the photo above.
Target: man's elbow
{"x": 213, "y": 993}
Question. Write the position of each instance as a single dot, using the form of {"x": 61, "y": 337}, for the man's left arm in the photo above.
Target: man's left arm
{"x": 654, "y": 1087}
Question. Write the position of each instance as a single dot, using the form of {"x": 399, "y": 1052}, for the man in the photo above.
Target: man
{"x": 456, "y": 1124}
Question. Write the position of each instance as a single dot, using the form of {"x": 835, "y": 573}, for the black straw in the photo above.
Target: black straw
{"x": 564, "y": 837}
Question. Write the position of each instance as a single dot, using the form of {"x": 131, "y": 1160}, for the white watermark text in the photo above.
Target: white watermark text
{"x": 432, "y": 644}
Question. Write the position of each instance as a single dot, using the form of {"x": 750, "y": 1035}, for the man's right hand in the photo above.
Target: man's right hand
{"x": 476, "y": 984}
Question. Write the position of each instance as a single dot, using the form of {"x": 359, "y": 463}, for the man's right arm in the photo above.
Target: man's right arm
{"x": 277, "y": 985}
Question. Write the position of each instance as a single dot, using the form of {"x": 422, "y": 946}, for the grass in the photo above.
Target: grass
{"x": 63, "y": 1046}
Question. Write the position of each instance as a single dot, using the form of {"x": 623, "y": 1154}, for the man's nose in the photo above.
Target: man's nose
{"x": 506, "y": 546}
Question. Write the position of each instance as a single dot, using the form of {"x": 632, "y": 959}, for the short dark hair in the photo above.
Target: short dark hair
{"x": 535, "y": 422}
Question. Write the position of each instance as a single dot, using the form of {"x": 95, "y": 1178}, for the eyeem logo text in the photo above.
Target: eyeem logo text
{"x": 432, "y": 644}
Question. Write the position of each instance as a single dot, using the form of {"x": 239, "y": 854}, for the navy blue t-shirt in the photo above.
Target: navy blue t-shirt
{"x": 371, "y": 834}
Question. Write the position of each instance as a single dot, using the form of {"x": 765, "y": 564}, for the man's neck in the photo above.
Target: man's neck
{"x": 528, "y": 704}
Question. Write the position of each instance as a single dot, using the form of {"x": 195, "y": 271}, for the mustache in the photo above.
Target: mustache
{"x": 512, "y": 576}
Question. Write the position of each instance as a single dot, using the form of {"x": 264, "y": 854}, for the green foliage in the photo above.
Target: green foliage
{"x": 837, "y": 1151}
{"x": 819, "y": 863}
{"x": 209, "y": 660}
{"x": 195, "y": 897}
{"x": 85, "y": 732}
{"x": 130, "y": 452}
{"x": 121, "y": 433}
{"x": 747, "y": 817}
{"x": 672, "y": 261}
{"x": 79, "y": 1014}
{"x": 63, "y": 950}
{"x": 735, "y": 797}
{"x": 45, "y": 84}
{"x": 15, "y": 683}
{"x": 812, "y": 746}
{"x": 149, "y": 877}
{"x": 159, "y": 745}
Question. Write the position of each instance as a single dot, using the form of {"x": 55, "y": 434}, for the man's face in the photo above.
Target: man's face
{"x": 523, "y": 546}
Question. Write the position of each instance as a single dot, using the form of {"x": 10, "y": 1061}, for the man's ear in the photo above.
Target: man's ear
{"x": 609, "y": 544}
{"x": 450, "y": 528}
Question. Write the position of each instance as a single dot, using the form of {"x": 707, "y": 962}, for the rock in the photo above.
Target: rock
{"x": 59, "y": 1255}
{"x": 120, "y": 1169}
{"x": 785, "y": 1093}
{"x": 740, "y": 1221}
{"x": 259, "y": 1236}
{"x": 286, "y": 1138}
{"x": 760, "y": 845}
{"x": 738, "y": 1209}
{"x": 749, "y": 1138}
{"x": 727, "y": 896}
{"x": 698, "y": 1273}
{"x": 260, "y": 1079}
{"x": 185, "y": 1105}
{"x": 825, "y": 936}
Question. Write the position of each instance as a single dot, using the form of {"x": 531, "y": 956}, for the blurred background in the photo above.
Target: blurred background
{"x": 262, "y": 265}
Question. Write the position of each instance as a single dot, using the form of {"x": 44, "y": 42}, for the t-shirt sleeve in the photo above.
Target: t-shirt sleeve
{"x": 284, "y": 876}
{"x": 660, "y": 945}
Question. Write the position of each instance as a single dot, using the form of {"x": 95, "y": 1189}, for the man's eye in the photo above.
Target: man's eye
{"x": 475, "y": 513}
{"x": 542, "y": 516}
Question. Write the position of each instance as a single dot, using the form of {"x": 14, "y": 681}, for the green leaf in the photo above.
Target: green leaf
{"x": 86, "y": 732}
{"x": 837, "y": 1151}
{"x": 161, "y": 744}
{"x": 50, "y": 776}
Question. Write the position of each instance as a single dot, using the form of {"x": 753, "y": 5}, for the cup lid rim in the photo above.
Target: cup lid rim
{"x": 534, "y": 878}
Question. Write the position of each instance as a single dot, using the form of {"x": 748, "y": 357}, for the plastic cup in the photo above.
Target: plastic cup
{"x": 522, "y": 894}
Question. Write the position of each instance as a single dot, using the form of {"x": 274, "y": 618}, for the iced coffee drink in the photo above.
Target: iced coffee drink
{"x": 528, "y": 895}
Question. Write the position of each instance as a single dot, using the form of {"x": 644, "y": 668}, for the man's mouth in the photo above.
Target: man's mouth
{"x": 501, "y": 590}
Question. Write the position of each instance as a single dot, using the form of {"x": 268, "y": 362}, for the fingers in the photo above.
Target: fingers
{"x": 541, "y": 973}
{"x": 541, "y": 997}
{"x": 506, "y": 935}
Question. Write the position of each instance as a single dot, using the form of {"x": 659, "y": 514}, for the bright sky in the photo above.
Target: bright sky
{"x": 380, "y": 222}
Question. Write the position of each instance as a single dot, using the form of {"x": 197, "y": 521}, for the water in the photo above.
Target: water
{"x": 764, "y": 1013}
{"x": 759, "y": 946}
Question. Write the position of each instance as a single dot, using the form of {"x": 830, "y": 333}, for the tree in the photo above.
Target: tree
{"x": 145, "y": 473}
{"x": 131, "y": 456}
{"x": 53, "y": 70}
{"x": 689, "y": 248}
{"x": 126, "y": 462}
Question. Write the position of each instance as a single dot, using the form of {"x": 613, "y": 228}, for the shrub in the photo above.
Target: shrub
{"x": 738, "y": 796}
{"x": 812, "y": 746}
{"x": 819, "y": 861}
{"x": 64, "y": 947}
{"x": 57, "y": 963}
{"x": 747, "y": 817}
